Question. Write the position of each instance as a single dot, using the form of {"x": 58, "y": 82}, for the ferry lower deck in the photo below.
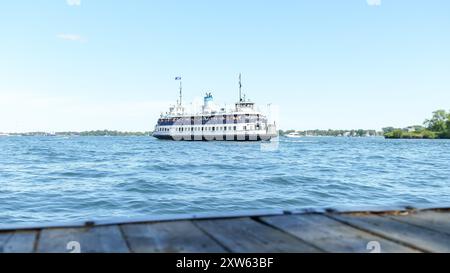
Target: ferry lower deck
{"x": 229, "y": 137}
{"x": 217, "y": 132}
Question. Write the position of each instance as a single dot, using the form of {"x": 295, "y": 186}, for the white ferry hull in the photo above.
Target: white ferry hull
{"x": 234, "y": 137}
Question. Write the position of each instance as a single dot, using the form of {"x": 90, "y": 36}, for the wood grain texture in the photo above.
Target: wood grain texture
{"x": 416, "y": 237}
{"x": 331, "y": 235}
{"x": 246, "y": 235}
{"x": 91, "y": 239}
{"x": 17, "y": 242}
{"x": 402, "y": 231}
{"x": 437, "y": 221}
{"x": 177, "y": 237}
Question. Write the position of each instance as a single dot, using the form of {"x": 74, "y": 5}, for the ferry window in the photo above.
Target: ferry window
{"x": 245, "y": 127}
{"x": 234, "y": 128}
{"x": 213, "y": 128}
{"x": 225, "y": 128}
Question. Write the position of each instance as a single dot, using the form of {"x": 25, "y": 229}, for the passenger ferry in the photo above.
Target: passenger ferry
{"x": 243, "y": 123}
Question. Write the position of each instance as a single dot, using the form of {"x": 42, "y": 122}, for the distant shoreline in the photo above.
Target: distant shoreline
{"x": 83, "y": 133}
{"x": 438, "y": 127}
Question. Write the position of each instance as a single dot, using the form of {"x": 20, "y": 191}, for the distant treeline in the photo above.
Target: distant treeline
{"x": 436, "y": 127}
{"x": 335, "y": 133}
{"x": 86, "y": 133}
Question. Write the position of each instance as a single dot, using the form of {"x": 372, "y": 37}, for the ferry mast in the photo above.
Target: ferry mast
{"x": 180, "y": 101}
{"x": 240, "y": 88}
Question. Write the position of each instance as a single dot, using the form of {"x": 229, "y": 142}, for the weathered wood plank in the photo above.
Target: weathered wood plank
{"x": 410, "y": 235}
{"x": 91, "y": 240}
{"x": 438, "y": 221}
{"x": 17, "y": 242}
{"x": 176, "y": 237}
{"x": 331, "y": 235}
{"x": 4, "y": 237}
{"x": 246, "y": 235}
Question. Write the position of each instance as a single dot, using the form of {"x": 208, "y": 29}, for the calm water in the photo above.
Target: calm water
{"x": 68, "y": 179}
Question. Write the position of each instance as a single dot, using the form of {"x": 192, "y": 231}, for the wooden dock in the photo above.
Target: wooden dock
{"x": 361, "y": 232}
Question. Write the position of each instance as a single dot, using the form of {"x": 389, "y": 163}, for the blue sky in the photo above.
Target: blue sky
{"x": 95, "y": 64}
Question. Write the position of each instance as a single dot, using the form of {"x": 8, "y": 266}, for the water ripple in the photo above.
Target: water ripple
{"x": 68, "y": 179}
